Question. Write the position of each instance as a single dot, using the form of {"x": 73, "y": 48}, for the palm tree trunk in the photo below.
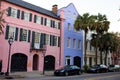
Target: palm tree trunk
{"x": 96, "y": 56}
{"x": 101, "y": 62}
{"x": 105, "y": 60}
{"x": 96, "y": 50}
{"x": 85, "y": 49}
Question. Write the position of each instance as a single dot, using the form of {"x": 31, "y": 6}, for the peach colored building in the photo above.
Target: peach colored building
{"x": 31, "y": 27}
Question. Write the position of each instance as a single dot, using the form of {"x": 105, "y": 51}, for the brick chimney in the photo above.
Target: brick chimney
{"x": 54, "y": 8}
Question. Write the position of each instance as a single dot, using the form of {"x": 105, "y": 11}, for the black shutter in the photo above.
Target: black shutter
{"x": 7, "y": 32}
{"x": 29, "y": 32}
{"x": 33, "y": 39}
{"x": 22, "y": 15}
{"x": 41, "y": 40}
{"x": 59, "y": 25}
{"x": 44, "y": 39}
{"x": 21, "y": 34}
{"x": 53, "y": 41}
{"x": 9, "y": 11}
{"x": 45, "y": 21}
{"x": 18, "y": 13}
{"x": 30, "y": 19}
{"x": 58, "y": 41}
{"x": 51, "y": 23}
{"x": 41, "y": 20}
{"x": 35, "y": 17}
{"x": 16, "y": 34}
{"x": 50, "y": 40}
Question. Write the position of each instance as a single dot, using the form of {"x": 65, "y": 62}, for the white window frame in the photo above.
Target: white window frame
{"x": 38, "y": 19}
{"x": 55, "y": 41}
{"x": 26, "y": 16}
{"x": 47, "y": 39}
{"x": 67, "y": 58}
{"x": 12, "y": 31}
{"x": 48, "y": 23}
{"x": 69, "y": 14}
{"x": 79, "y": 44}
{"x": 37, "y": 44}
{"x": 26, "y": 36}
{"x": 74, "y": 43}
{"x": 69, "y": 26}
{"x": 14, "y": 12}
{"x": 56, "y": 25}
{"x": 68, "y": 42}
{"x": 74, "y": 16}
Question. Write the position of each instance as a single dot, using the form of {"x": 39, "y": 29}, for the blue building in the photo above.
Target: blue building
{"x": 73, "y": 40}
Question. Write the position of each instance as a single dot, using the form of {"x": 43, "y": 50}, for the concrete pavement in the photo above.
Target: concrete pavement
{"x": 17, "y": 75}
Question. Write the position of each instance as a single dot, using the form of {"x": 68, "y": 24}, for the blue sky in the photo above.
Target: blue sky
{"x": 108, "y": 7}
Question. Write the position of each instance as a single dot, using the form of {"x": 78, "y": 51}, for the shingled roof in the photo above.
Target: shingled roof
{"x": 33, "y": 7}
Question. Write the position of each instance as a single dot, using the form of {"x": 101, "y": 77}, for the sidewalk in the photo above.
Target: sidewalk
{"x": 17, "y": 75}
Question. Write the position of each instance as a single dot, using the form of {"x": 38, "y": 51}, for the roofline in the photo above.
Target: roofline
{"x": 34, "y": 10}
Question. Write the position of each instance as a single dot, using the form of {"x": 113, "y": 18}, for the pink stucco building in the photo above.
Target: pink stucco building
{"x": 31, "y": 27}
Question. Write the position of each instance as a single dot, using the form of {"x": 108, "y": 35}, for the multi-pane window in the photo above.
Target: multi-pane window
{"x": 79, "y": 44}
{"x": 38, "y": 19}
{"x": 26, "y": 16}
{"x": 47, "y": 39}
{"x": 25, "y": 35}
{"x": 69, "y": 14}
{"x": 68, "y": 42}
{"x": 56, "y": 25}
{"x": 48, "y": 22}
{"x": 55, "y": 41}
{"x": 74, "y": 16}
{"x": 11, "y": 32}
{"x": 37, "y": 40}
{"x": 14, "y": 12}
{"x": 37, "y": 37}
{"x": 68, "y": 26}
{"x": 74, "y": 43}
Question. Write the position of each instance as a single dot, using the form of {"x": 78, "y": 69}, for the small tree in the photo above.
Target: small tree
{"x": 2, "y": 20}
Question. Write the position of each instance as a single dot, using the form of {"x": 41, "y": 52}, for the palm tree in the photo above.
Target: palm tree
{"x": 115, "y": 49}
{"x": 2, "y": 20}
{"x": 110, "y": 44}
{"x": 101, "y": 26}
{"x": 84, "y": 22}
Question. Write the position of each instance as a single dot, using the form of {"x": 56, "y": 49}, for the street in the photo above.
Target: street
{"x": 92, "y": 76}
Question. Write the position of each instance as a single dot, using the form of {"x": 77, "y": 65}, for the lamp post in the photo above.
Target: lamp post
{"x": 43, "y": 52}
{"x": 10, "y": 41}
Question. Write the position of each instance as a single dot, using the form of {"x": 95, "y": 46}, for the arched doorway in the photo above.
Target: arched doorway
{"x": 77, "y": 61}
{"x": 49, "y": 63}
{"x": 19, "y": 62}
{"x": 35, "y": 62}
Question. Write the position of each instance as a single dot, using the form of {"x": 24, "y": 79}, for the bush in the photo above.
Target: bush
{"x": 85, "y": 68}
